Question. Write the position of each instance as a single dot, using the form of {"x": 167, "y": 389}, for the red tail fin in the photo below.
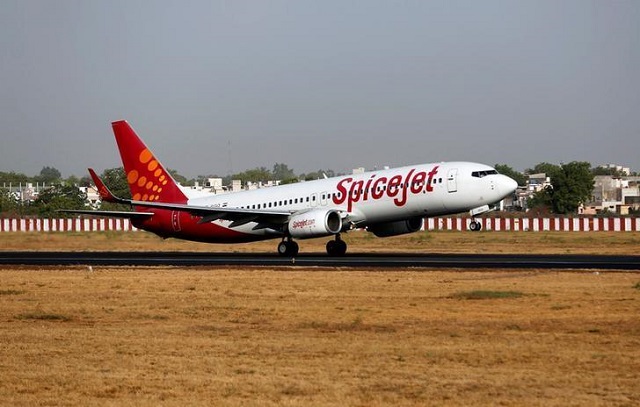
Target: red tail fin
{"x": 148, "y": 179}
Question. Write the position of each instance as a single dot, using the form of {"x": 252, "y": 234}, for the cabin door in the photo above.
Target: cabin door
{"x": 452, "y": 180}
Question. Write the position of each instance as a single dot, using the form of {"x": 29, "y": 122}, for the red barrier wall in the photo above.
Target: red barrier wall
{"x": 460, "y": 224}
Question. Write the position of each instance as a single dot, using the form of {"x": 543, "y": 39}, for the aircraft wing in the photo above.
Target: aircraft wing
{"x": 238, "y": 217}
{"x": 209, "y": 214}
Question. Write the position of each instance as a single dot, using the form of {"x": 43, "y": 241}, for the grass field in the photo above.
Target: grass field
{"x": 317, "y": 337}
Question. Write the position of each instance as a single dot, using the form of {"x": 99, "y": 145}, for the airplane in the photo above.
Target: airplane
{"x": 386, "y": 203}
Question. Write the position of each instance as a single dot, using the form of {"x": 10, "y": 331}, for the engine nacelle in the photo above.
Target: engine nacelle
{"x": 315, "y": 223}
{"x": 400, "y": 227}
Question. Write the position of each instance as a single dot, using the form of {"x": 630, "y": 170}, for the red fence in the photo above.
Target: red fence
{"x": 65, "y": 225}
{"x": 493, "y": 224}
{"x": 539, "y": 224}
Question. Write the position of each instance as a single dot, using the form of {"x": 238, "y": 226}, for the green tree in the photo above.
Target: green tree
{"x": 510, "y": 172}
{"x": 544, "y": 167}
{"x": 606, "y": 171}
{"x": 12, "y": 178}
{"x": 181, "y": 179}
{"x": 85, "y": 181}
{"x": 8, "y": 203}
{"x": 310, "y": 176}
{"x": 59, "y": 197}
{"x": 72, "y": 180}
{"x": 283, "y": 172}
{"x": 254, "y": 175}
{"x": 541, "y": 202}
{"x": 49, "y": 175}
{"x": 116, "y": 180}
{"x": 571, "y": 185}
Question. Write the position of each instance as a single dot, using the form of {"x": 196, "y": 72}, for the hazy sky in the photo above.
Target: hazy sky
{"x": 220, "y": 86}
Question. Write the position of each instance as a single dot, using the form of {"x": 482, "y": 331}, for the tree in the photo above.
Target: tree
{"x": 541, "y": 202}
{"x": 310, "y": 176}
{"x": 72, "y": 180}
{"x": 545, "y": 168}
{"x": 571, "y": 185}
{"x": 8, "y": 203}
{"x": 180, "y": 179}
{"x": 282, "y": 172}
{"x": 49, "y": 175}
{"x": 59, "y": 197}
{"x": 607, "y": 171}
{"x": 13, "y": 178}
{"x": 511, "y": 173}
{"x": 116, "y": 180}
{"x": 255, "y": 175}
{"x": 85, "y": 181}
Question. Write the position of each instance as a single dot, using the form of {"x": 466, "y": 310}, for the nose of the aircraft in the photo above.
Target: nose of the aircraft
{"x": 507, "y": 185}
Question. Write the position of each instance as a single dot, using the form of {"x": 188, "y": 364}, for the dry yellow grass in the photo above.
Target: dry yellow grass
{"x": 359, "y": 241}
{"x": 299, "y": 337}
{"x": 174, "y": 337}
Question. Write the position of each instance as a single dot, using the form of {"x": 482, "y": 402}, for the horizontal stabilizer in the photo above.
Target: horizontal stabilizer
{"x": 110, "y": 214}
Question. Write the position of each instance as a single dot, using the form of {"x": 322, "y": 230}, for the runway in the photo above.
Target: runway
{"x": 356, "y": 260}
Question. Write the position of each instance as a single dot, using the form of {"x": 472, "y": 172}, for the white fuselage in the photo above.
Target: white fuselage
{"x": 375, "y": 197}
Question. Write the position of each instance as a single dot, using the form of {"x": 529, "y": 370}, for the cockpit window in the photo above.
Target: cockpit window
{"x": 480, "y": 174}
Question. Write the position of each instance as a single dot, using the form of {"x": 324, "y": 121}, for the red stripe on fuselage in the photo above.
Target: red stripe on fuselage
{"x": 161, "y": 223}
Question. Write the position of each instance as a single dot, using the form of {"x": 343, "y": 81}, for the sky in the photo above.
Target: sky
{"x": 217, "y": 87}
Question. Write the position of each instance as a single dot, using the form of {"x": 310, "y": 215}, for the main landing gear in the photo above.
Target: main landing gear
{"x": 336, "y": 247}
{"x": 288, "y": 248}
{"x": 475, "y": 226}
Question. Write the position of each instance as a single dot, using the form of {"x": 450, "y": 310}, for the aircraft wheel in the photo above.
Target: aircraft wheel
{"x": 283, "y": 248}
{"x": 475, "y": 226}
{"x": 336, "y": 247}
{"x": 288, "y": 248}
{"x": 293, "y": 247}
{"x": 331, "y": 244}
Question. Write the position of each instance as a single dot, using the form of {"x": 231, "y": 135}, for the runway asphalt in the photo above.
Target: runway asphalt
{"x": 355, "y": 260}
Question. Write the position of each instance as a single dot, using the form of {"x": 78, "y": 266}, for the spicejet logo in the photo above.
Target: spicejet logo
{"x": 396, "y": 187}
{"x": 303, "y": 223}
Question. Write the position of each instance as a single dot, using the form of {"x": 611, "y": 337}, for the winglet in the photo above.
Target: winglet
{"x": 104, "y": 192}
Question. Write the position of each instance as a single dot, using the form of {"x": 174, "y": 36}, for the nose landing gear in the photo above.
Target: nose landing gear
{"x": 475, "y": 226}
{"x": 336, "y": 247}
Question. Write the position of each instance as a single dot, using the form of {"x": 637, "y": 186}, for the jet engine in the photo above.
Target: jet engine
{"x": 315, "y": 223}
{"x": 400, "y": 227}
